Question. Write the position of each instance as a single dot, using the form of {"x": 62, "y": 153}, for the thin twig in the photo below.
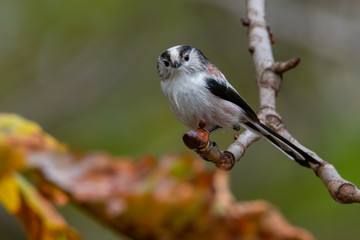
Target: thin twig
{"x": 281, "y": 67}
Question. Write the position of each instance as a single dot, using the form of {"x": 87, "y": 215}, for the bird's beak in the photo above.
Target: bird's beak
{"x": 176, "y": 64}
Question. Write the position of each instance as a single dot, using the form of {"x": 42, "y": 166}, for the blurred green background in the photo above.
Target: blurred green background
{"x": 86, "y": 71}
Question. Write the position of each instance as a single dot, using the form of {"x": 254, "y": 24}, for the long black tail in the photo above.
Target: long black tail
{"x": 282, "y": 144}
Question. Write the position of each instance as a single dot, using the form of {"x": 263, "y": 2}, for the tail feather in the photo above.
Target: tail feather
{"x": 284, "y": 145}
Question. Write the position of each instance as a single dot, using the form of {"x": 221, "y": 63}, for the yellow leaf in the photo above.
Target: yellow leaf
{"x": 19, "y": 138}
{"x": 41, "y": 220}
{"x": 12, "y": 124}
{"x": 39, "y": 204}
{"x": 9, "y": 193}
{"x": 11, "y": 159}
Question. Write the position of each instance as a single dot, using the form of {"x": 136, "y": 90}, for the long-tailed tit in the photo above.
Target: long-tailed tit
{"x": 196, "y": 89}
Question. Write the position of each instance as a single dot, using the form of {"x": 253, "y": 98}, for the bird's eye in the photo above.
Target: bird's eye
{"x": 186, "y": 57}
{"x": 166, "y": 63}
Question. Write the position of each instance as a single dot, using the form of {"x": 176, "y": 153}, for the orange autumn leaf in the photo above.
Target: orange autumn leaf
{"x": 40, "y": 218}
{"x": 173, "y": 197}
{"x": 19, "y": 137}
{"x": 20, "y": 134}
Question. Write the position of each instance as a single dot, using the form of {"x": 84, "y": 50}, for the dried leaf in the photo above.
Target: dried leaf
{"x": 174, "y": 197}
{"x": 23, "y": 135}
{"x": 50, "y": 192}
{"x": 19, "y": 139}
{"x": 12, "y": 124}
{"x": 39, "y": 217}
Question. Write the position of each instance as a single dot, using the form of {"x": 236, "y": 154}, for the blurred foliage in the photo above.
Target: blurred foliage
{"x": 182, "y": 198}
{"x": 85, "y": 71}
{"x": 38, "y": 216}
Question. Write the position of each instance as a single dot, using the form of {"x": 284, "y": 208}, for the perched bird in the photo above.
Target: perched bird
{"x": 196, "y": 89}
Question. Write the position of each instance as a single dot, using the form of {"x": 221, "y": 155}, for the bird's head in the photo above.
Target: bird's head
{"x": 181, "y": 59}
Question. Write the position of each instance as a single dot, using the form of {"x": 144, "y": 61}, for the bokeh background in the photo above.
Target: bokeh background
{"x": 86, "y": 71}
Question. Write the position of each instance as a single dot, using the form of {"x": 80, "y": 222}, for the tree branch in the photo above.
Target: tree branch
{"x": 269, "y": 80}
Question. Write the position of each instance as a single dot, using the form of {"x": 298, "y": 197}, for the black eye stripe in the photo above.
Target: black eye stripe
{"x": 183, "y": 49}
{"x": 165, "y": 55}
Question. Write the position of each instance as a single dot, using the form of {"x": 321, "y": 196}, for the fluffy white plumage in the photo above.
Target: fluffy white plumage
{"x": 187, "y": 93}
{"x": 196, "y": 89}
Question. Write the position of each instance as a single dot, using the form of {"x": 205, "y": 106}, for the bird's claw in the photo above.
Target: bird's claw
{"x": 212, "y": 144}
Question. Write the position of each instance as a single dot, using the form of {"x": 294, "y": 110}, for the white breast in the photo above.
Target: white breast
{"x": 191, "y": 101}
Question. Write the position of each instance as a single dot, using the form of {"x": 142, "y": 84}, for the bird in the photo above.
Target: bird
{"x": 196, "y": 89}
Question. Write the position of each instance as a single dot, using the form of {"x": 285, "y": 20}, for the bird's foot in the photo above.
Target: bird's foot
{"x": 236, "y": 127}
{"x": 212, "y": 144}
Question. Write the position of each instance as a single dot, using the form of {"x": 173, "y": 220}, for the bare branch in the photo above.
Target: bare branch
{"x": 269, "y": 79}
{"x": 280, "y": 67}
{"x": 269, "y": 75}
{"x": 341, "y": 190}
